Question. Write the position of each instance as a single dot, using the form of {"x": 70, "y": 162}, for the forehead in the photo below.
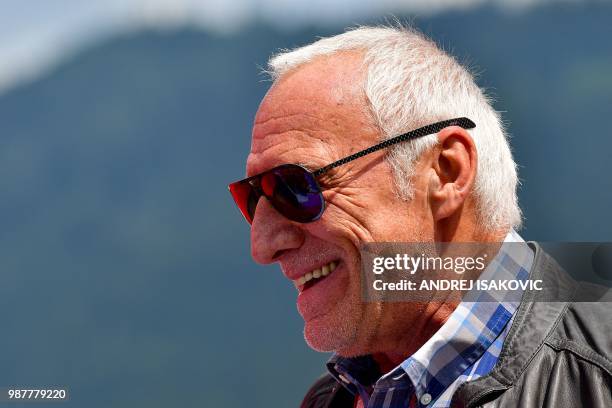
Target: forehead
{"x": 308, "y": 112}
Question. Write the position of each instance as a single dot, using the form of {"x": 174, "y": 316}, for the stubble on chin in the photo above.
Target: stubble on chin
{"x": 339, "y": 329}
{"x": 351, "y": 328}
{"x": 348, "y": 337}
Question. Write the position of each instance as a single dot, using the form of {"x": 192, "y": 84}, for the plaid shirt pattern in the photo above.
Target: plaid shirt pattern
{"x": 464, "y": 348}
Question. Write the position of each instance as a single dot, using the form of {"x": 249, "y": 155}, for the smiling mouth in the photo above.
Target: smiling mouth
{"x": 315, "y": 276}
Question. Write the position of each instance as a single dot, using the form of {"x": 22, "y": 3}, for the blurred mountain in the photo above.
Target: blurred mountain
{"x": 126, "y": 274}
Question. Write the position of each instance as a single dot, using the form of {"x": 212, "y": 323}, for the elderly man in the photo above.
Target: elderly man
{"x": 321, "y": 184}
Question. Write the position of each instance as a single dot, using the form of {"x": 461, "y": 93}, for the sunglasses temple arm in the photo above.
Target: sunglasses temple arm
{"x": 423, "y": 131}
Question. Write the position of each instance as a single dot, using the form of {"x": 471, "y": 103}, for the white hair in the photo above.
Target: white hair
{"x": 410, "y": 82}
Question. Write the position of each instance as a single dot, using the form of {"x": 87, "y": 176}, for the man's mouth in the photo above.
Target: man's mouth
{"x": 313, "y": 277}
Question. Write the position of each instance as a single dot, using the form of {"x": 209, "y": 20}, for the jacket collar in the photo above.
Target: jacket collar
{"x": 532, "y": 324}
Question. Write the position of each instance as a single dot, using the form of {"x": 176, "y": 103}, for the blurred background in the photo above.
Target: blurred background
{"x": 125, "y": 268}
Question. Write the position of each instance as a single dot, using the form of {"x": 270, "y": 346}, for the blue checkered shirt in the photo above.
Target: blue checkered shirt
{"x": 464, "y": 348}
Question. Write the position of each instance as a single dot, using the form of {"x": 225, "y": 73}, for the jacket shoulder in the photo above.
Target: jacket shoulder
{"x": 585, "y": 329}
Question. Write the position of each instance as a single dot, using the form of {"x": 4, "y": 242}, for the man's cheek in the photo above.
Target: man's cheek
{"x": 346, "y": 221}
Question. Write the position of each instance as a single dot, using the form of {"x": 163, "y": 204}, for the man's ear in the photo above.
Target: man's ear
{"x": 453, "y": 171}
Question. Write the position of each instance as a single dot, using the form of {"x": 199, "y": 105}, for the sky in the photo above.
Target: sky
{"x": 35, "y": 35}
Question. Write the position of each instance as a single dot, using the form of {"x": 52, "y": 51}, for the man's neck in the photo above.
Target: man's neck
{"x": 410, "y": 341}
{"x": 434, "y": 314}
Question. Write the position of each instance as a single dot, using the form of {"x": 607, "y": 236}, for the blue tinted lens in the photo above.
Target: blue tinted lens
{"x": 295, "y": 193}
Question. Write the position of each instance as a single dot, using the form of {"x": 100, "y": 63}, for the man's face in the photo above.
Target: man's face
{"x": 313, "y": 116}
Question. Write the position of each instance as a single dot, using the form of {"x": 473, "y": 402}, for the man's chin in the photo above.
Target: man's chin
{"x": 324, "y": 335}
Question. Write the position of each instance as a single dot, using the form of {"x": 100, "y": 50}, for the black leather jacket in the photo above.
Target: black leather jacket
{"x": 557, "y": 354}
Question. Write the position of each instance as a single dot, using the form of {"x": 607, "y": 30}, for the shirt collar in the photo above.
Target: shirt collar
{"x": 457, "y": 345}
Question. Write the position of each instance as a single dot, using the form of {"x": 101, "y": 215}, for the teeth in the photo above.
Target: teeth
{"x": 316, "y": 274}
{"x": 325, "y": 270}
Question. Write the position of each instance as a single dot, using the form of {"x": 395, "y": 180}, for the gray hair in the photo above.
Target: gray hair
{"x": 410, "y": 82}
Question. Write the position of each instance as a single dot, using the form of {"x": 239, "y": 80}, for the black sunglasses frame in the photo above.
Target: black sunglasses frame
{"x": 254, "y": 181}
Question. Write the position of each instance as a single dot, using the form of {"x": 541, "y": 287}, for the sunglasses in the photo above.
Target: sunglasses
{"x": 294, "y": 191}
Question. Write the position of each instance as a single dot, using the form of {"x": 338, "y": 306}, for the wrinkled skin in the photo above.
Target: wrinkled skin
{"x": 313, "y": 116}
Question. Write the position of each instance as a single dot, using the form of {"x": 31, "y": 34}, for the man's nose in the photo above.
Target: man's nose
{"x": 272, "y": 234}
